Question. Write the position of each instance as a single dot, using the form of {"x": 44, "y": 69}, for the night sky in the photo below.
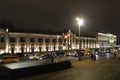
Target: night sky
{"x": 57, "y": 15}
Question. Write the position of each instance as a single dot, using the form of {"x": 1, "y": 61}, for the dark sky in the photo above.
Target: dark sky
{"x": 57, "y": 15}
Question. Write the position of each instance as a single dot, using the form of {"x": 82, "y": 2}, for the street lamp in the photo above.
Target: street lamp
{"x": 80, "y": 22}
{"x": 66, "y": 36}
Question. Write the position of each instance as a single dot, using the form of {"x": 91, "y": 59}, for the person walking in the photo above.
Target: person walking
{"x": 52, "y": 57}
{"x": 114, "y": 54}
{"x": 92, "y": 56}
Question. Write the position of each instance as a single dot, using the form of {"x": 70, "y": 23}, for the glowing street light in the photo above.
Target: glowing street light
{"x": 80, "y": 22}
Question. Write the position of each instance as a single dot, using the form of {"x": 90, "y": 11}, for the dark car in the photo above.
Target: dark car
{"x": 5, "y": 55}
{"x": 60, "y": 53}
{"x": 19, "y": 54}
{"x": 47, "y": 56}
{"x": 79, "y": 52}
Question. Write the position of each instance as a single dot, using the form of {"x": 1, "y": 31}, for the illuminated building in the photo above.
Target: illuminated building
{"x": 106, "y": 40}
{"x": 14, "y": 42}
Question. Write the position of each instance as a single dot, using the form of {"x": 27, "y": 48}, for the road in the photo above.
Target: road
{"x": 101, "y": 69}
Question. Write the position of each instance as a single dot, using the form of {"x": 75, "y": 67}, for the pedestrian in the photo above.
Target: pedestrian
{"x": 114, "y": 54}
{"x": 52, "y": 57}
{"x": 92, "y": 55}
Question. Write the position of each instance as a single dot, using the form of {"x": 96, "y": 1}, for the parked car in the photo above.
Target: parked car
{"x": 36, "y": 56}
{"x": 60, "y": 53}
{"x": 47, "y": 56}
{"x": 75, "y": 55}
{"x": 5, "y": 55}
{"x": 82, "y": 53}
{"x": 9, "y": 59}
{"x": 19, "y": 54}
{"x": 71, "y": 53}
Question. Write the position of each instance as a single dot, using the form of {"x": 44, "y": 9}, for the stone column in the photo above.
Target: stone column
{"x": 95, "y": 43}
{"x": 88, "y": 42}
{"x": 28, "y": 42}
{"x": 43, "y": 45}
{"x": 91, "y": 44}
{"x": 17, "y": 44}
{"x": 85, "y": 43}
{"x": 75, "y": 41}
{"x": 51, "y": 44}
{"x": 7, "y": 42}
{"x": 57, "y": 44}
{"x": 36, "y": 44}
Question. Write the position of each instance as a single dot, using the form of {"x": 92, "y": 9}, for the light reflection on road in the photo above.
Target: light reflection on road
{"x": 108, "y": 55}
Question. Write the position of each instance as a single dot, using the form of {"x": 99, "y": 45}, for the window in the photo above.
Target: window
{"x": 2, "y": 39}
{"x": 60, "y": 40}
{"x": 76, "y": 40}
{"x": 47, "y": 40}
{"x": 54, "y": 41}
{"x": 32, "y": 40}
{"x": 40, "y": 40}
{"x": 12, "y": 39}
{"x": 22, "y": 39}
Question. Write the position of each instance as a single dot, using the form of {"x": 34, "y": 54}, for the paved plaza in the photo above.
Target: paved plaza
{"x": 101, "y": 69}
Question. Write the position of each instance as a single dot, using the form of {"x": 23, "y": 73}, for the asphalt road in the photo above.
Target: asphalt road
{"x": 101, "y": 69}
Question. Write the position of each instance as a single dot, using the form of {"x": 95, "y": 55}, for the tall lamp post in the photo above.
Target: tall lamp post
{"x": 80, "y": 22}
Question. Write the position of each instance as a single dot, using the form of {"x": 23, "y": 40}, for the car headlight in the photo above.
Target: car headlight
{"x": 88, "y": 53}
{"x": 30, "y": 57}
{"x": 40, "y": 58}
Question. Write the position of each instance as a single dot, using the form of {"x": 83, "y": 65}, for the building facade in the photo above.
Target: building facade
{"x": 106, "y": 40}
{"x": 14, "y": 42}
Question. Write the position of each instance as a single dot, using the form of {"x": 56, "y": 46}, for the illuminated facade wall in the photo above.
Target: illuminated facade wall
{"x": 12, "y": 42}
{"x": 106, "y": 40}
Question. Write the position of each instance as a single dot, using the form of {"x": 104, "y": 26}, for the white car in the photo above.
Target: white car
{"x": 36, "y": 56}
